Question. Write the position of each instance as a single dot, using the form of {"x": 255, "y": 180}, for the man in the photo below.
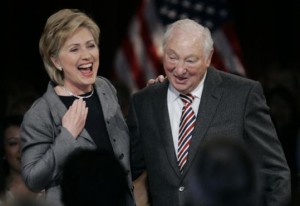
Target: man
{"x": 166, "y": 145}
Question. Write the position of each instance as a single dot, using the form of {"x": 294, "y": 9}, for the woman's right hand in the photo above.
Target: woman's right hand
{"x": 75, "y": 117}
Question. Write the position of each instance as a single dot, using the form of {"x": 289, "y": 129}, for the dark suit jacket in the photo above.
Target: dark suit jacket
{"x": 230, "y": 106}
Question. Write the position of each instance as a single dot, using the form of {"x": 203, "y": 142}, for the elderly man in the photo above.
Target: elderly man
{"x": 169, "y": 121}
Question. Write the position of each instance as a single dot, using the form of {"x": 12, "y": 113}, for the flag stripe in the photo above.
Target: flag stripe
{"x": 139, "y": 49}
{"x": 138, "y": 75}
{"x": 147, "y": 40}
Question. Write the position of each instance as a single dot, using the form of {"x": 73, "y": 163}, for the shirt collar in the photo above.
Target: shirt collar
{"x": 174, "y": 94}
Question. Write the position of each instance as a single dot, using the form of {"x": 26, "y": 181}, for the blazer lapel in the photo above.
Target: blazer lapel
{"x": 108, "y": 107}
{"x": 58, "y": 109}
{"x": 159, "y": 102}
{"x": 209, "y": 101}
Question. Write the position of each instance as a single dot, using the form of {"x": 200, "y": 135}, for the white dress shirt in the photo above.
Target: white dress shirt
{"x": 175, "y": 105}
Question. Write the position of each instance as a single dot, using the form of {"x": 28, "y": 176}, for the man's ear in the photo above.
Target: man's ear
{"x": 208, "y": 59}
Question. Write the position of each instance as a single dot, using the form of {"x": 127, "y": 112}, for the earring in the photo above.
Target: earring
{"x": 59, "y": 68}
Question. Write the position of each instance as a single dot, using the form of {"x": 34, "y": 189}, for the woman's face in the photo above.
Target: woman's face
{"x": 12, "y": 148}
{"x": 79, "y": 60}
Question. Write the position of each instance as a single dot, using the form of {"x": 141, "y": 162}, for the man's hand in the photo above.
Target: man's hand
{"x": 158, "y": 79}
{"x": 141, "y": 190}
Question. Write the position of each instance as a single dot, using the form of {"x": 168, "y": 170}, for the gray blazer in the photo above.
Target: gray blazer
{"x": 230, "y": 106}
{"x": 46, "y": 144}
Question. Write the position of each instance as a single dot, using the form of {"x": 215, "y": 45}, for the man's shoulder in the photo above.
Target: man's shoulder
{"x": 152, "y": 90}
{"x": 234, "y": 79}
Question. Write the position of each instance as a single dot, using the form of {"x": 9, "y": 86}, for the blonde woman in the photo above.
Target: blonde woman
{"x": 78, "y": 111}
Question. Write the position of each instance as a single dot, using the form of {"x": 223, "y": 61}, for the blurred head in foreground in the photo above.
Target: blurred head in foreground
{"x": 227, "y": 174}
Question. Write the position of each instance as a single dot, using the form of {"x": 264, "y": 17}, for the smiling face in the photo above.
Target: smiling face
{"x": 12, "y": 148}
{"x": 79, "y": 60}
{"x": 184, "y": 61}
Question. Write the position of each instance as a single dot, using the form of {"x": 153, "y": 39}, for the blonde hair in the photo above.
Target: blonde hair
{"x": 58, "y": 28}
{"x": 191, "y": 26}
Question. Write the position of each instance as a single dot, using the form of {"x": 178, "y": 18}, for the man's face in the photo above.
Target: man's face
{"x": 184, "y": 61}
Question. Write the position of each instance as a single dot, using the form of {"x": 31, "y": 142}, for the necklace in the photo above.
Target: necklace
{"x": 79, "y": 97}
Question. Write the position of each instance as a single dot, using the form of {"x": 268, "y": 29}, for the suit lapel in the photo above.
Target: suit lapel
{"x": 159, "y": 103}
{"x": 108, "y": 106}
{"x": 58, "y": 109}
{"x": 209, "y": 101}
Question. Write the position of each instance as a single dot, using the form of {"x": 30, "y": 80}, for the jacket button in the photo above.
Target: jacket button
{"x": 181, "y": 189}
{"x": 121, "y": 156}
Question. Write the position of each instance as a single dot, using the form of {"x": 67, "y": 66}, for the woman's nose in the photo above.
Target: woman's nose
{"x": 85, "y": 54}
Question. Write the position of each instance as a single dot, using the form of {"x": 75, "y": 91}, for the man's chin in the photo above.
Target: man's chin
{"x": 180, "y": 87}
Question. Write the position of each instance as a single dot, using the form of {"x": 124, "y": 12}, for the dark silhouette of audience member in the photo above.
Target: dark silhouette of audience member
{"x": 19, "y": 99}
{"x": 93, "y": 178}
{"x": 21, "y": 104}
{"x": 2, "y": 180}
{"x": 227, "y": 175}
{"x": 285, "y": 115}
{"x": 13, "y": 188}
{"x": 123, "y": 94}
{"x": 296, "y": 199}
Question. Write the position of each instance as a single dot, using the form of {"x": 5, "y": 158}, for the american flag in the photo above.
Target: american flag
{"x": 139, "y": 57}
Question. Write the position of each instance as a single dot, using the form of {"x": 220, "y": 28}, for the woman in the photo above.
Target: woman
{"x": 78, "y": 111}
{"x": 15, "y": 189}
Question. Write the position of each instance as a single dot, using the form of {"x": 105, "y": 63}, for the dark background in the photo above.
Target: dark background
{"x": 268, "y": 32}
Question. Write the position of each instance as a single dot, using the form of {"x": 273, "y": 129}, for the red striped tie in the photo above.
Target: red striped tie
{"x": 186, "y": 127}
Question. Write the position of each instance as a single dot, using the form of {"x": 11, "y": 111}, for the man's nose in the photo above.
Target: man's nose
{"x": 181, "y": 67}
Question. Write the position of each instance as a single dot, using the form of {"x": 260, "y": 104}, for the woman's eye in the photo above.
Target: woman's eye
{"x": 74, "y": 50}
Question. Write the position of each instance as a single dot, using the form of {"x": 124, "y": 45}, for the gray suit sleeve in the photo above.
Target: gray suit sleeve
{"x": 43, "y": 153}
{"x": 136, "y": 152}
{"x": 260, "y": 132}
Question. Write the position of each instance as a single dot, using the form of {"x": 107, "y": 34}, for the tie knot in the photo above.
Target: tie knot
{"x": 187, "y": 98}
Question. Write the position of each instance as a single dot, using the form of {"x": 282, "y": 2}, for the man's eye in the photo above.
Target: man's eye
{"x": 191, "y": 61}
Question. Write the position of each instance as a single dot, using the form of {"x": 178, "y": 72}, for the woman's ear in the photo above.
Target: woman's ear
{"x": 56, "y": 63}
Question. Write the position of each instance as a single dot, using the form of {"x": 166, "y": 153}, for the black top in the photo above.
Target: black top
{"x": 95, "y": 124}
